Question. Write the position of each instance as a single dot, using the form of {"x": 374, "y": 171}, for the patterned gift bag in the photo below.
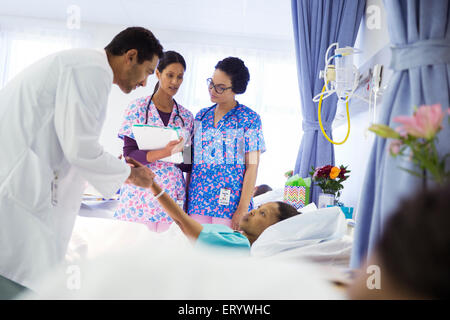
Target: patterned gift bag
{"x": 296, "y": 191}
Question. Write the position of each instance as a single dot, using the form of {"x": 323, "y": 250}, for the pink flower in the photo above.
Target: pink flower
{"x": 424, "y": 123}
{"x": 394, "y": 147}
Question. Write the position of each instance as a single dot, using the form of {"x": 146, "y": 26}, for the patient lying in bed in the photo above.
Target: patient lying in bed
{"x": 252, "y": 224}
{"x": 125, "y": 260}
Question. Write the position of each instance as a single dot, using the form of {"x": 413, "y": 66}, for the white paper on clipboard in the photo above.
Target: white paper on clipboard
{"x": 151, "y": 138}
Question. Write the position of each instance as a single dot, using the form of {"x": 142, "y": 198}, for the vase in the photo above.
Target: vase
{"x": 326, "y": 199}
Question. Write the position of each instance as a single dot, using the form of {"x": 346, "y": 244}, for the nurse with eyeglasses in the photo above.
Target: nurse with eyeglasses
{"x": 228, "y": 141}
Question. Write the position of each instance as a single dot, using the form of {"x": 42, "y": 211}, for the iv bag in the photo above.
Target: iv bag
{"x": 344, "y": 72}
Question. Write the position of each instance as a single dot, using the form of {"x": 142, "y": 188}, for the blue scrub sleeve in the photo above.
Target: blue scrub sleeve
{"x": 254, "y": 138}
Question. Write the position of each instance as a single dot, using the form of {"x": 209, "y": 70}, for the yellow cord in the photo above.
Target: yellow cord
{"x": 320, "y": 119}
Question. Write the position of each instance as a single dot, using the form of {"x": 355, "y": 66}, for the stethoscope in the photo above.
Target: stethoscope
{"x": 174, "y": 118}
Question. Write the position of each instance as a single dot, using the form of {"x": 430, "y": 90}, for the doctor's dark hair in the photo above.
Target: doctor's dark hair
{"x": 414, "y": 247}
{"x": 286, "y": 211}
{"x": 237, "y": 71}
{"x": 137, "y": 38}
{"x": 168, "y": 58}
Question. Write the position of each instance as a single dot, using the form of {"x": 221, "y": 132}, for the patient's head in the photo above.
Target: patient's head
{"x": 413, "y": 251}
{"x": 256, "y": 221}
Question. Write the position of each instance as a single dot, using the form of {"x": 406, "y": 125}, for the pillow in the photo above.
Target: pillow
{"x": 305, "y": 229}
{"x": 278, "y": 195}
{"x": 274, "y": 195}
{"x": 310, "y": 207}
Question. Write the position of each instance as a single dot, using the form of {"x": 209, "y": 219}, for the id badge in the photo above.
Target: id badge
{"x": 224, "y": 197}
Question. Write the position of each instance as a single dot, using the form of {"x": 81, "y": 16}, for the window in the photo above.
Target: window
{"x": 20, "y": 48}
{"x": 272, "y": 92}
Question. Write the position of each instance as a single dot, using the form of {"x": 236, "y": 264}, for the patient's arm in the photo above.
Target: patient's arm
{"x": 189, "y": 226}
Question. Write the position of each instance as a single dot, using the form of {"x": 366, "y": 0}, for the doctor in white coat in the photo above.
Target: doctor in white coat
{"x": 51, "y": 116}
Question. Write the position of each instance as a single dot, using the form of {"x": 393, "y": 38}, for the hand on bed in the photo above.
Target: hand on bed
{"x": 140, "y": 175}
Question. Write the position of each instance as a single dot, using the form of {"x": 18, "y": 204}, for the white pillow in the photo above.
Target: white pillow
{"x": 305, "y": 229}
{"x": 274, "y": 195}
{"x": 278, "y": 195}
{"x": 310, "y": 207}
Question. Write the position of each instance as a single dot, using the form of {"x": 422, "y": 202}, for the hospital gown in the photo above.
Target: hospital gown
{"x": 220, "y": 236}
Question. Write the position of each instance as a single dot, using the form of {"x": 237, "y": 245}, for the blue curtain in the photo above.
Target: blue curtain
{"x": 318, "y": 24}
{"x": 420, "y": 42}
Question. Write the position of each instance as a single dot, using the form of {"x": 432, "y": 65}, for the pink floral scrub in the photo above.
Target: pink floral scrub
{"x": 138, "y": 204}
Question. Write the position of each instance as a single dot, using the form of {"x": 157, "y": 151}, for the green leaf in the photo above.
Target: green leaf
{"x": 384, "y": 131}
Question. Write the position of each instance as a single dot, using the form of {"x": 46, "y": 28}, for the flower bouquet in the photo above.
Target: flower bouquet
{"x": 289, "y": 174}
{"x": 418, "y": 133}
{"x": 330, "y": 178}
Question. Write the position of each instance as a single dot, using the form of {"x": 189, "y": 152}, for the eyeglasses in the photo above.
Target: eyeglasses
{"x": 218, "y": 88}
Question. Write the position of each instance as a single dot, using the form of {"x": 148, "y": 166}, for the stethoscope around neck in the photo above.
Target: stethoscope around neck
{"x": 174, "y": 118}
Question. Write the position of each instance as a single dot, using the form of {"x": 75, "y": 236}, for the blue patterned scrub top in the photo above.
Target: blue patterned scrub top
{"x": 219, "y": 159}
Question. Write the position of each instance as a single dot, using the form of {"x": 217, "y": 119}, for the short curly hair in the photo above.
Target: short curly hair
{"x": 237, "y": 71}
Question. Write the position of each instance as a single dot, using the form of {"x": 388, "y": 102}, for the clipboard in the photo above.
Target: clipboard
{"x": 149, "y": 137}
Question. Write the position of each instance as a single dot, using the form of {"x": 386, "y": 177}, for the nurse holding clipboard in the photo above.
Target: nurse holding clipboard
{"x": 228, "y": 141}
{"x": 160, "y": 109}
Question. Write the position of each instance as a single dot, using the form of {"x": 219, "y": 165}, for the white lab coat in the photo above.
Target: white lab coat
{"x": 51, "y": 116}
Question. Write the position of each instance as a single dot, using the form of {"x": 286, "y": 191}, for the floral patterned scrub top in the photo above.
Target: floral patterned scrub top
{"x": 219, "y": 160}
{"x": 138, "y": 204}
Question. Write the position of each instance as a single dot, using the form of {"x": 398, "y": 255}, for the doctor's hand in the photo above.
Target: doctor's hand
{"x": 140, "y": 175}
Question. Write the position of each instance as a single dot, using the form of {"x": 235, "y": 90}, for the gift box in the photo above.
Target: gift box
{"x": 296, "y": 191}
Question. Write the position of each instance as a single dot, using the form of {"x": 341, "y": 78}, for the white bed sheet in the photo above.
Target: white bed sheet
{"x": 124, "y": 260}
{"x": 97, "y": 232}
{"x": 318, "y": 235}
{"x": 152, "y": 270}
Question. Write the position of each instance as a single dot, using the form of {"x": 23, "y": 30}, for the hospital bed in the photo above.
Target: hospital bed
{"x": 301, "y": 258}
{"x": 323, "y": 236}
